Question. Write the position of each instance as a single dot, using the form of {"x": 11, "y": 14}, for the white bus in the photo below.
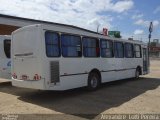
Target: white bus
{"x": 62, "y": 57}
{"x": 5, "y": 61}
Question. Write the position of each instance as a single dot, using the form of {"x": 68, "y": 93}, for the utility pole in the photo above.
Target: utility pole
{"x": 149, "y": 43}
{"x": 150, "y": 31}
{"x": 98, "y": 28}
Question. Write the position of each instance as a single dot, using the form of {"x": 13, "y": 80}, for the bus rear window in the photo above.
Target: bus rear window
{"x": 52, "y": 44}
{"x": 7, "y": 48}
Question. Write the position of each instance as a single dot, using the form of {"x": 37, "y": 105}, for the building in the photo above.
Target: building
{"x": 155, "y": 48}
{"x": 10, "y": 23}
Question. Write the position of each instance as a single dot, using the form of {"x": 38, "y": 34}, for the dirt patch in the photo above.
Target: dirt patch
{"x": 126, "y": 96}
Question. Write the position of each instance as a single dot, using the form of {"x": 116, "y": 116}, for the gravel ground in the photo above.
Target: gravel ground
{"x": 127, "y": 96}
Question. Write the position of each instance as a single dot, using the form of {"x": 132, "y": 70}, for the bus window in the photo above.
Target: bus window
{"x": 90, "y": 47}
{"x": 7, "y": 48}
{"x": 71, "y": 45}
{"x": 106, "y": 48}
{"x": 137, "y": 50}
{"x": 52, "y": 44}
{"x": 129, "y": 53}
{"x": 119, "y": 50}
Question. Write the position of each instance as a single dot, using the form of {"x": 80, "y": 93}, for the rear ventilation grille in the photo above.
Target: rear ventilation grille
{"x": 54, "y": 71}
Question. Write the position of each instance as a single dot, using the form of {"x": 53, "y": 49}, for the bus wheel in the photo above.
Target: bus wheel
{"x": 137, "y": 73}
{"x": 93, "y": 81}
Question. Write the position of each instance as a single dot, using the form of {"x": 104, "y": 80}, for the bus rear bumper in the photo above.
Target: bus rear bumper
{"x": 39, "y": 85}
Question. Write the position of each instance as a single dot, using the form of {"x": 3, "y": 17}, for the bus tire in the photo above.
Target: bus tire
{"x": 137, "y": 73}
{"x": 93, "y": 81}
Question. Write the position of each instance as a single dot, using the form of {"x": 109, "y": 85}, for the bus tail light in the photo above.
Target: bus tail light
{"x": 14, "y": 76}
{"x": 24, "y": 77}
{"x": 37, "y": 77}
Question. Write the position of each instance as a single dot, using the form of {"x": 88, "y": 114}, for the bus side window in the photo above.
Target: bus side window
{"x": 137, "y": 51}
{"x": 91, "y": 47}
{"x": 106, "y": 48}
{"x": 129, "y": 51}
{"x": 71, "y": 45}
{"x": 7, "y": 48}
{"x": 119, "y": 50}
{"x": 52, "y": 44}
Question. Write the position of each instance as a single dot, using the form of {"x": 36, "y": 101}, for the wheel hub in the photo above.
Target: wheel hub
{"x": 94, "y": 82}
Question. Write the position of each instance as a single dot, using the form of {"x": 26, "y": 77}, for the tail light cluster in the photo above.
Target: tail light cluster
{"x": 14, "y": 76}
{"x": 37, "y": 77}
{"x": 25, "y": 77}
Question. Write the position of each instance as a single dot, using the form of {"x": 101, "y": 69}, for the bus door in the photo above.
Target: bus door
{"x": 145, "y": 60}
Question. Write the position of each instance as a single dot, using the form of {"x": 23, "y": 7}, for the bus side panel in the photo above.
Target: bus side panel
{"x": 70, "y": 74}
{"x": 107, "y": 68}
{"x": 5, "y": 63}
{"x": 5, "y": 68}
{"x": 71, "y": 82}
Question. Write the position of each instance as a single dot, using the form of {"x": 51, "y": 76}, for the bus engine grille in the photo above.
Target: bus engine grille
{"x": 54, "y": 71}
